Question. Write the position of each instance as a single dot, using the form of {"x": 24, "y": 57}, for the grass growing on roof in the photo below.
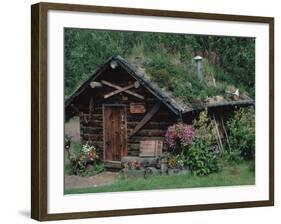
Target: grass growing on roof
{"x": 179, "y": 77}
{"x": 241, "y": 174}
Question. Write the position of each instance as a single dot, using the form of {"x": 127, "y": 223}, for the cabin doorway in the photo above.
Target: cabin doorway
{"x": 115, "y": 132}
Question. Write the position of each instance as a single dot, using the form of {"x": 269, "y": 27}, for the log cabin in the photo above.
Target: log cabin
{"x": 122, "y": 112}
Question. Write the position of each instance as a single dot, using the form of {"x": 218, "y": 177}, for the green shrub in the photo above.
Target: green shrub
{"x": 204, "y": 129}
{"x": 97, "y": 168}
{"x": 252, "y": 166}
{"x": 201, "y": 157}
{"x": 233, "y": 157}
{"x": 241, "y": 129}
{"x": 201, "y": 160}
{"x": 82, "y": 157}
{"x": 68, "y": 169}
{"x": 177, "y": 161}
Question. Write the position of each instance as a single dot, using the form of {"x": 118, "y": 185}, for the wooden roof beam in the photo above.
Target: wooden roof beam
{"x": 118, "y": 91}
{"x": 120, "y": 88}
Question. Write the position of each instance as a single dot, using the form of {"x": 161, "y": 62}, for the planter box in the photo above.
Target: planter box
{"x": 145, "y": 162}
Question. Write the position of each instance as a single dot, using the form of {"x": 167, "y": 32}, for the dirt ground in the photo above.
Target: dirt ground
{"x": 104, "y": 178}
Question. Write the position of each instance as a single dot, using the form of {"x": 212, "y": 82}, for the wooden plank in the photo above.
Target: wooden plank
{"x": 92, "y": 137}
{"x": 225, "y": 132}
{"x": 87, "y": 115}
{"x": 151, "y": 132}
{"x": 91, "y": 105}
{"x": 151, "y": 125}
{"x": 147, "y": 148}
{"x": 126, "y": 91}
{"x": 133, "y": 147}
{"x": 159, "y": 148}
{"x": 94, "y": 123}
{"x": 150, "y": 148}
{"x": 107, "y": 138}
{"x": 92, "y": 130}
{"x": 218, "y": 133}
{"x": 133, "y": 153}
{"x": 146, "y": 118}
{"x": 123, "y": 89}
{"x": 112, "y": 164}
{"x": 137, "y": 139}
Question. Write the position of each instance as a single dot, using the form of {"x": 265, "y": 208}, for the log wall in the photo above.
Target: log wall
{"x": 91, "y": 116}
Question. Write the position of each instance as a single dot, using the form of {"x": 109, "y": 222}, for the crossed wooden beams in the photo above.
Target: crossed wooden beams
{"x": 120, "y": 89}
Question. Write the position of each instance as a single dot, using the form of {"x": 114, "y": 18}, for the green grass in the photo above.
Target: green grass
{"x": 240, "y": 174}
{"x": 180, "y": 77}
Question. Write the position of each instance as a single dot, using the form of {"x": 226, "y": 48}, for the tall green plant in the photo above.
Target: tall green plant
{"x": 200, "y": 157}
{"x": 241, "y": 129}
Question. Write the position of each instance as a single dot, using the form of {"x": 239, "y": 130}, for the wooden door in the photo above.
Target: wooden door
{"x": 115, "y": 132}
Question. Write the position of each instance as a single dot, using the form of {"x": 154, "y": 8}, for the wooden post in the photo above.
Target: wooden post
{"x": 95, "y": 85}
{"x": 225, "y": 132}
{"x": 217, "y": 140}
{"x": 91, "y": 107}
{"x": 218, "y": 133}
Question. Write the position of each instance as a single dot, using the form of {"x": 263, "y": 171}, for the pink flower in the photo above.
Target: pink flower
{"x": 179, "y": 133}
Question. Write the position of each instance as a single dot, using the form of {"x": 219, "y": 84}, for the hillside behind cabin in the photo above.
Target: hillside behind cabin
{"x": 228, "y": 65}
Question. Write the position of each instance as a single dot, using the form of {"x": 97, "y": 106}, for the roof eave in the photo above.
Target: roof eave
{"x": 224, "y": 104}
{"x": 82, "y": 87}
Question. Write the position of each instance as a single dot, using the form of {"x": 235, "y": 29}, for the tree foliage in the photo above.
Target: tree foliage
{"x": 237, "y": 57}
{"x": 241, "y": 128}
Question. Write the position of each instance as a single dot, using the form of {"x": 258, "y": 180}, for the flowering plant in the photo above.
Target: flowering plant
{"x": 136, "y": 165}
{"x": 89, "y": 152}
{"x": 179, "y": 135}
{"x": 133, "y": 165}
{"x": 176, "y": 161}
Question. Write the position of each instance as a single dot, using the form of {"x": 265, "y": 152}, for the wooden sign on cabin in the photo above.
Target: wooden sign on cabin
{"x": 137, "y": 108}
{"x": 151, "y": 148}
